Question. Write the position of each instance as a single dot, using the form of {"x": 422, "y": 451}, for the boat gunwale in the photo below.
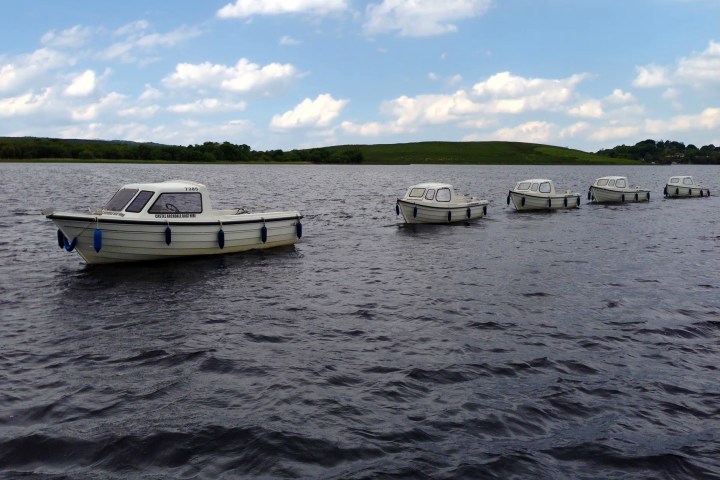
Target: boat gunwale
{"x": 478, "y": 203}
{"x": 165, "y": 221}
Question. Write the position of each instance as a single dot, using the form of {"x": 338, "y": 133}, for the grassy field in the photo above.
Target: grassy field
{"x": 509, "y": 153}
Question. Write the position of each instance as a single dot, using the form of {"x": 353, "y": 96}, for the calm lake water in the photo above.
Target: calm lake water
{"x": 575, "y": 344}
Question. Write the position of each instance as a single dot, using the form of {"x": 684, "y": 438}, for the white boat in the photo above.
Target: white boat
{"x": 438, "y": 203}
{"x": 616, "y": 189}
{"x": 540, "y": 194}
{"x": 684, "y": 186}
{"x": 153, "y": 221}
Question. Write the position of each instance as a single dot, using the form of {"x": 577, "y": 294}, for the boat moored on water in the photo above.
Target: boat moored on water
{"x": 616, "y": 189}
{"x": 684, "y": 186}
{"x": 154, "y": 221}
{"x": 540, "y": 194}
{"x": 438, "y": 203}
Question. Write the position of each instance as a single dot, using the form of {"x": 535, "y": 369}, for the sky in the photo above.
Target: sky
{"x": 287, "y": 74}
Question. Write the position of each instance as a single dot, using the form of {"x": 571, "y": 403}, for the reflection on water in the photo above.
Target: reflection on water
{"x": 575, "y": 344}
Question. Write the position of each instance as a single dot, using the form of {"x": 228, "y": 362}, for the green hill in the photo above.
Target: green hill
{"x": 510, "y": 153}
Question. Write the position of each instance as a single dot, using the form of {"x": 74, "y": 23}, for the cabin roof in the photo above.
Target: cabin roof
{"x": 432, "y": 185}
{"x": 535, "y": 180}
{"x": 168, "y": 185}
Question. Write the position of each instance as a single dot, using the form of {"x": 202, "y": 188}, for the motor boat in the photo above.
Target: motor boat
{"x": 438, "y": 203}
{"x": 684, "y": 186}
{"x": 616, "y": 189}
{"x": 540, "y": 194}
{"x": 153, "y": 221}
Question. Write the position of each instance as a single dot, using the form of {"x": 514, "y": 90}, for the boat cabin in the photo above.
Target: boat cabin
{"x": 432, "y": 193}
{"x": 535, "y": 186}
{"x": 170, "y": 199}
{"x": 682, "y": 181}
{"x": 611, "y": 182}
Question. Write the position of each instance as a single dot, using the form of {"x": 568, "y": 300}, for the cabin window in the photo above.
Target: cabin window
{"x": 523, "y": 186}
{"x": 620, "y": 183}
{"x": 534, "y": 187}
{"x": 602, "y": 182}
{"x": 430, "y": 194}
{"x": 443, "y": 195}
{"x": 417, "y": 192}
{"x": 674, "y": 180}
{"x": 545, "y": 187}
{"x": 177, "y": 203}
{"x": 611, "y": 183}
{"x": 687, "y": 181}
{"x": 120, "y": 199}
{"x": 140, "y": 201}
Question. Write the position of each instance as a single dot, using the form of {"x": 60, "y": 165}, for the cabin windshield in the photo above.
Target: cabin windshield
{"x": 523, "y": 186}
{"x": 602, "y": 182}
{"x": 545, "y": 187}
{"x": 140, "y": 201}
{"x": 611, "y": 183}
{"x": 417, "y": 192}
{"x": 443, "y": 195}
{"x": 534, "y": 187}
{"x": 674, "y": 180}
{"x": 620, "y": 183}
{"x": 430, "y": 194}
{"x": 120, "y": 199}
{"x": 177, "y": 203}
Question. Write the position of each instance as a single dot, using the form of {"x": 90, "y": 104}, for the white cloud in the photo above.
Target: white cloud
{"x": 243, "y": 77}
{"x": 112, "y": 102}
{"x": 699, "y": 70}
{"x": 614, "y": 131}
{"x": 651, "y": 76}
{"x": 207, "y": 106}
{"x": 310, "y": 113}
{"x": 507, "y": 93}
{"x": 248, "y": 8}
{"x": 588, "y": 109}
{"x": 73, "y": 37}
{"x": 618, "y": 96}
{"x": 533, "y": 132}
{"x": 370, "y": 129}
{"x": 150, "y": 93}
{"x": 82, "y": 85}
{"x": 430, "y": 109}
{"x": 26, "y": 69}
{"x": 708, "y": 119}
{"x": 286, "y": 41}
{"x": 24, "y": 104}
{"x": 137, "y": 40}
{"x": 420, "y": 18}
{"x": 148, "y": 111}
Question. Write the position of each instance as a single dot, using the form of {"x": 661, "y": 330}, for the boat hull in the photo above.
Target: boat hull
{"x": 134, "y": 241}
{"x": 673, "y": 191}
{"x": 523, "y": 202}
{"x": 418, "y": 213}
{"x": 606, "y": 195}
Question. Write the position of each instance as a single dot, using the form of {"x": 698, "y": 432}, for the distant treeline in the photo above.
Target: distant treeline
{"x": 31, "y": 148}
{"x": 664, "y": 152}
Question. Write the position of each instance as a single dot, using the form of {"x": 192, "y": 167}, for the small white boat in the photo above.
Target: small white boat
{"x": 153, "y": 221}
{"x": 616, "y": 189}
{"x": 684, "y": 186}
{"x": 438, "y": 203}
{"x": 540, "y": 194}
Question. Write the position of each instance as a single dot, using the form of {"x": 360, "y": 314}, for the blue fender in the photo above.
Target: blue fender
{"x": 97, "y": 240}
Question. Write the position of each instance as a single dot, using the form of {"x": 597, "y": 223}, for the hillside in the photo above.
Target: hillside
{"x": 515, "y": 153}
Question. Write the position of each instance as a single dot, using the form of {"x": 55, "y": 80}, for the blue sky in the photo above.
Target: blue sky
{"x": 284, "y": 74}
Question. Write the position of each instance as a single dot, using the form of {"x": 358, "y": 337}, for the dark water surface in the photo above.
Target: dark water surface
{"x": 576, "y": 344}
